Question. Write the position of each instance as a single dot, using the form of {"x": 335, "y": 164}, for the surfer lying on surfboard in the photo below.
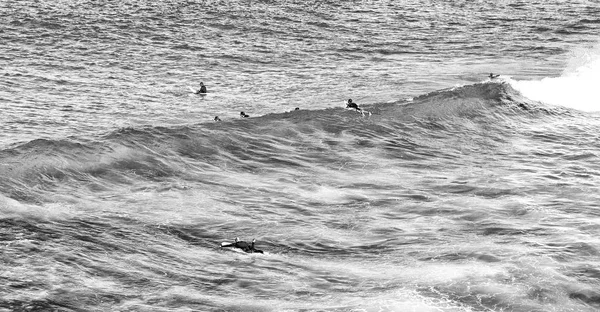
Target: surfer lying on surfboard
{"x": 352, "y": 105}
{"x": 249, "y": 248}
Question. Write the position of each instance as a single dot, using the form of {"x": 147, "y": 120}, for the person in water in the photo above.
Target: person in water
{"x": 202, "y": 89}
{"x": 492, "y": 76}
{"x": 353, "y": 105}
{"x": 243, "y": 115}
{"x": 217, "y": 118}
{"x": 249, "y": 248}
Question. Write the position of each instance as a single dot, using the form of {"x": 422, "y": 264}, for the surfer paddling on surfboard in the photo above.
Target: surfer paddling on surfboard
{"x": 352, "y": 105}
{"x": 492, "y": 76}
{"x": 244, "y": 246}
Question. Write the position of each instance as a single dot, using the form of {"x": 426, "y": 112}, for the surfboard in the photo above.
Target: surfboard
{"x": 362, "y": 111}
{"x": 224, "y": 246}
{"x": 196, "y": 91}
{"x": 235, "y": 249}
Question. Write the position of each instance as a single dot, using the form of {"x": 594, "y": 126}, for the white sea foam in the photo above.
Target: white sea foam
{"x": 10, "y": 208}
{"x": 576, "y": 88}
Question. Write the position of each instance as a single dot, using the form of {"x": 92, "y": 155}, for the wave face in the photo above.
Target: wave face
{"x": 292, "y": 141}
{"x": 464, "y": 199}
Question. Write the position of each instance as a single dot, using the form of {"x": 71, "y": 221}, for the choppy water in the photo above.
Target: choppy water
{"x": 456, "y": 194}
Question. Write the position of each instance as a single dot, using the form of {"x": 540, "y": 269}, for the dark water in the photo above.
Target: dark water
{"x": 456, "y": 192}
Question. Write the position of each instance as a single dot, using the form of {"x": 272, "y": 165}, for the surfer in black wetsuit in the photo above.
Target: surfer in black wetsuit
{"x": 492, "y": 76}
{"x": 243, "y": 115}
{"x": 217, "y": 118}
{"x": 353, "y": 105}
{"x": 202, "y": 89}
{"x": 249, "y": 248}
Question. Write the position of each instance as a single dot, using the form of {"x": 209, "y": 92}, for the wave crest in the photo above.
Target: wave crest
{"x": 576, "y": 88}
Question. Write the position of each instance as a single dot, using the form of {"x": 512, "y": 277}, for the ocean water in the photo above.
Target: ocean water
{"x": 456, "y": 193}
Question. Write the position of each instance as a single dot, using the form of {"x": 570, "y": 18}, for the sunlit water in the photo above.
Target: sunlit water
{"x": 457, "y": 193}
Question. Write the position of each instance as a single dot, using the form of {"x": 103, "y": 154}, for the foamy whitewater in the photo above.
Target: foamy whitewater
{"x": 454, "y": 193}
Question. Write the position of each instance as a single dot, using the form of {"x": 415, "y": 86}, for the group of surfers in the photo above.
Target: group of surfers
{"x": 349, "y": 103}
{"x": 202, "y": 90}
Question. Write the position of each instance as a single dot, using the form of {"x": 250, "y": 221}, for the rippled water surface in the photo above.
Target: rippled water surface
{"x": 453, "y": 192}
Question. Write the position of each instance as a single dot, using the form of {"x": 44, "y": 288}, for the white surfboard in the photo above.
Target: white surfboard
{"x": 233, "y": 249}
{"x": 196, "y": 91}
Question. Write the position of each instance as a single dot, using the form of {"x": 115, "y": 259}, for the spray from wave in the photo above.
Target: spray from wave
{"x": 576, "y": 88}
